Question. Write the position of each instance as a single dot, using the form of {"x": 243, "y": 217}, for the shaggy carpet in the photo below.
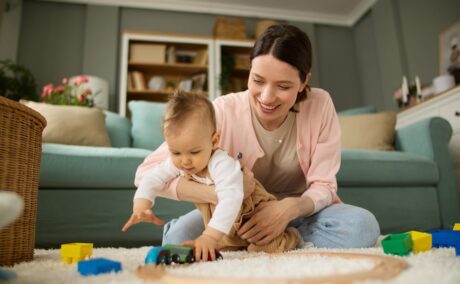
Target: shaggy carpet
{"x": 434, "y": 266}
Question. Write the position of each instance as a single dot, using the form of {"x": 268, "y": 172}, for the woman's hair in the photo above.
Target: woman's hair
{"x": 289, "y": 44}
{"x": 182, "y": 105}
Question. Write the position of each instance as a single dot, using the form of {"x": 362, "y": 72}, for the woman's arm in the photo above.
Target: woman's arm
{"x": 188, "y": 190}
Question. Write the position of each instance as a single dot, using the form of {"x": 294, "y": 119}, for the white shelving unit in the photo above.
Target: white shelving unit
{"x": 237, "y": 48}
{"x": 179, "y": 70}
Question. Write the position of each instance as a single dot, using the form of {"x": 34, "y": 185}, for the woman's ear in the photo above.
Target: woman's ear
{"x": 305, "y": 84}
{"x": 215, "y": 140}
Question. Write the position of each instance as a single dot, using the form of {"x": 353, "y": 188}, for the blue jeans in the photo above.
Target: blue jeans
{"x": 337, "y": 226}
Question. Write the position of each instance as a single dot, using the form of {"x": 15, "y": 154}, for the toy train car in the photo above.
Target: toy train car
{"x": 168, "y": 254}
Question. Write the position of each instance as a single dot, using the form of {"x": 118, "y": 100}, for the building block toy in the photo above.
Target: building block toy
{"x": 457, "y": 227}
{"x": 75, "y": 252}
{"x": 168, "y": 254}
{"x": 421, "y": 241}
{"x": 398, "y": 244}
{"x": 97, "y": 266}
{"x": 446, "y": 238}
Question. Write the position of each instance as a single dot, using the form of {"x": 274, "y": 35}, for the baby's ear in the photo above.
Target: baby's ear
{"x": 215, "y": 140}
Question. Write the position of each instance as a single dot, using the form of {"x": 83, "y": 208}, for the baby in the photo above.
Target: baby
{"x": 189, "y": 128}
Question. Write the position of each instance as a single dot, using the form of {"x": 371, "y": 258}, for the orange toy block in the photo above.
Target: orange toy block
{"x": 75, "y": 252}
{"x": 421, "y": 241}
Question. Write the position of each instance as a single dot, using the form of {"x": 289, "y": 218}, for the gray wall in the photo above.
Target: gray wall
{"x": 400, "y": 37}
{"x": 337, "y": 65}
{"x": 10, "y": 22}
{"x": 360, "y": 65}
{"x": 52, "y": 40}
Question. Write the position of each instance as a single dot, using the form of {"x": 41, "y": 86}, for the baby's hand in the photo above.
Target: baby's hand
{"x": 142, "y": 216}
{"x": 205, "y": 246}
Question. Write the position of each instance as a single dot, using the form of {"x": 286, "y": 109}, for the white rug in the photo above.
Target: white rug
{"x": 434, "y": 266}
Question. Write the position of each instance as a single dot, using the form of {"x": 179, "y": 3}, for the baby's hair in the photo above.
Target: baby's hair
{"x": 181, "y": 105}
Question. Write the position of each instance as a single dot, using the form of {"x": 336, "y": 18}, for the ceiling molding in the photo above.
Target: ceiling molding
{"x": 237, "y": 10}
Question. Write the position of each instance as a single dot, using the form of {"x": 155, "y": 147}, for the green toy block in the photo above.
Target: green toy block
{"x": 398, "y": 244}
{"x": 421, "y": 241}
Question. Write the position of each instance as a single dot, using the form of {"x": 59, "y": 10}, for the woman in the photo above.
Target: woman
{"x": 289, "y": 136}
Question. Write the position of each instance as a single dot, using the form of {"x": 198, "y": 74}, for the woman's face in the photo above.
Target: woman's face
{"x": 273, "y": 86}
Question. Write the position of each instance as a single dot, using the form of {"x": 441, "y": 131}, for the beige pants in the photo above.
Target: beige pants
{"x": 288, "y": 240}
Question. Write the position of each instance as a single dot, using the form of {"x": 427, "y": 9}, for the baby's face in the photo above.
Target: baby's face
{"x": 191, "y": 145}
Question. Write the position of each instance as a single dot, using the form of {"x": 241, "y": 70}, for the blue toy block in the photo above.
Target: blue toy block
{"x": 445, "y": 239}
{"x": 97, "y": 266}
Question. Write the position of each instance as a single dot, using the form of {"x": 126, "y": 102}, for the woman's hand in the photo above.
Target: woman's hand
{"x": 271, "y": 218}
{"x": 249, "y": 183}
{"x": 267, "y": 222}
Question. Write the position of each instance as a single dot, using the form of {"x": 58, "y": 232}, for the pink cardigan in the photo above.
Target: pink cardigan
{"x": 318, "y": 143}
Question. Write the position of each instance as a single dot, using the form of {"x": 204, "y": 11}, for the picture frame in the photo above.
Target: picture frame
{"x": 449, "y": 48}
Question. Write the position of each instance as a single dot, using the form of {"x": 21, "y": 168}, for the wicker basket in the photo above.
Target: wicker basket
{"x": 20, "y": 153}
{"x": 230, "y": 28}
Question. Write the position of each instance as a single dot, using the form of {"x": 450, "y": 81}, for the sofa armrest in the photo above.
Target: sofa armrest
{"x": 430, "y": 138}
{"x": 119, "y": 129}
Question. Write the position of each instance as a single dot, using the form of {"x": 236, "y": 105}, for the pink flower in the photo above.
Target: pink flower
{"x": 59, "y": 89}
{"x": 47, "y": 90}
{"x": 88, "y": 91}
{"x": 65, "y": 80}
{"x": 81, "y": 98}
{"x": 81, "y": 79}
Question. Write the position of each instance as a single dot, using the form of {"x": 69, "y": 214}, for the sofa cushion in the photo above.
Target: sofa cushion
{"x": 375, "y": 131}
{"x": 68, "y": 166}
{"x": 72, "y": 125}
{"x": 378, "y": 168}
{"x": 119, "y": 129}
{"x": 146, "y": 129}
{"x": 358, "y": 110}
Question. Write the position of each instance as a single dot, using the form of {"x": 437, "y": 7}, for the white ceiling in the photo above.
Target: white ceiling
{"x": 334, "y": 12}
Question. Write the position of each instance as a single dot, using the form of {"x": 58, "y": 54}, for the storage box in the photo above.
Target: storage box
{"x": 147, "y": 53}
{"x": 230, "y": 28}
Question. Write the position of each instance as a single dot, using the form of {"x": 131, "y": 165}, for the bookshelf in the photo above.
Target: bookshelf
{"x": 197, "y": 61}
{"x": 232, "y": 65}
{"x": 153, "y": 65}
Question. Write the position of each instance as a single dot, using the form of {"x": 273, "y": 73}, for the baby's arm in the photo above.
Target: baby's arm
{"x": 148, "y": 189}
{"x": 228, "y": 179}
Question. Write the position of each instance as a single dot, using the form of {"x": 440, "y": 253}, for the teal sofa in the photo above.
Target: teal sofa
{"x": 85, "y": 193}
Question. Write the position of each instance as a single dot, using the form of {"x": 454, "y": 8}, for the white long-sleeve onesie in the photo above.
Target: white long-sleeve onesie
{"x": 226, "y": 175}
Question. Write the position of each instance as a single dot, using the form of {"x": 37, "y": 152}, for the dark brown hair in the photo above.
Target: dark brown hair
{"x": 289, "y": 44}
{"x": 181, "y": 105}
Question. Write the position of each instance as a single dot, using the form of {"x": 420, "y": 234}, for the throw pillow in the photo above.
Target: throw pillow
{"x": 146, "y": 124}
{"x": 374, "y": 131}
{"x": 72, "y": 125}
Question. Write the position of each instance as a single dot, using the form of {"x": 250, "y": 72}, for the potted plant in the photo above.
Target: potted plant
{"x": 17, "y": 82}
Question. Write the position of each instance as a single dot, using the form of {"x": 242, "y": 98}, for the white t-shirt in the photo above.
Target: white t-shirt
{"x": 225, "y": 173}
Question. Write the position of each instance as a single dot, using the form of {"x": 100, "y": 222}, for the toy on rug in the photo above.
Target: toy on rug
{"x": 97, "y": 266}
{"x": 75, "y": 252}
{"x": 168, "y": 254}
{"x": 414, "y": 241}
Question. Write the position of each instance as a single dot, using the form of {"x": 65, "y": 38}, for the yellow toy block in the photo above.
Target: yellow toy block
{"x": 457, "y": 227}
{"x": 75, "y": 252}
{"x": 421, "y": 241}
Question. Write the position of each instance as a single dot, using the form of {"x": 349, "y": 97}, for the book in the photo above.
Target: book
{"x": 138, "y": 81}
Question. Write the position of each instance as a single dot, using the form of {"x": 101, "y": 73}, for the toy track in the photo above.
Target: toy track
{"x": 386, "y": 267}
